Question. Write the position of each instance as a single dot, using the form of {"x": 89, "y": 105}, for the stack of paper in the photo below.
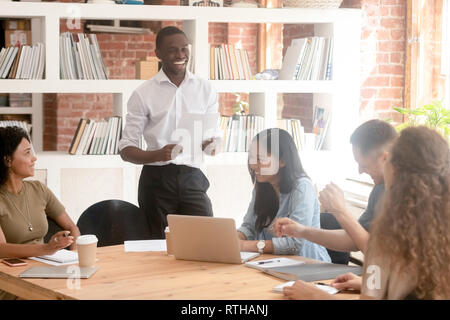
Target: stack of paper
{"x": 60, "y": 257}
{"x": 326, "y": 288}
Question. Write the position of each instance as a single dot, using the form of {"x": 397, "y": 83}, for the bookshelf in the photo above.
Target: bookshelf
{"x": 340, "y": 94}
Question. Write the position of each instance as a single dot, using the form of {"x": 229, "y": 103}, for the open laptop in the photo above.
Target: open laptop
{"x": 73, "y": 272}
{"x": 206, "y": 239}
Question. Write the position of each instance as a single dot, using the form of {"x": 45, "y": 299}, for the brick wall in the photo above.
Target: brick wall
{"x": 120, "y": 53}
{"x": 382, "y": 58}
{"x": 382, "y": 61}
{"x": 382, "y": 69}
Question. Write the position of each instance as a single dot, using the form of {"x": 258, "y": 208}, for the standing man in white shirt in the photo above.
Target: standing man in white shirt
{"x": 171, "y": 181}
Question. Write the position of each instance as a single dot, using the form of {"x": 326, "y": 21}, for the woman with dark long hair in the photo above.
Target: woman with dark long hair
{"x": 408, "y": 252}
{"x": 281, "y": 189}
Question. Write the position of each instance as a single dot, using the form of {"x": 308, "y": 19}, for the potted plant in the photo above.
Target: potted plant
{"x": 433, "y": 115}
{"x": 240, "y": 107}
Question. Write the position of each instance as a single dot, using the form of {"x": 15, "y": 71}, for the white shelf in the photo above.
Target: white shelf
{"x": 16, "y": 110}
{"x": 280, "y": 86}
{"x": 90, "y": 177}
{"x": 149, "y": 12}
{"x": 118, "y": 86}
{"x": 69, "y": 86}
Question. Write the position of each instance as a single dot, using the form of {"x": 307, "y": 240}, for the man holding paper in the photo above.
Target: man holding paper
{"x": 176, "y": 112}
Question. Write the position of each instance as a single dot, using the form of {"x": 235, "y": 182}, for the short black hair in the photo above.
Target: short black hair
{"x": 10, "y": 138}
{"x": 372, "y": 135}
{"x": 165, "y": 32}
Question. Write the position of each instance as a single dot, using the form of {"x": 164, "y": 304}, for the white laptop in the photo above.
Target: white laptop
{"x": 73, "y": 272}
{"x": 206, "y": 239}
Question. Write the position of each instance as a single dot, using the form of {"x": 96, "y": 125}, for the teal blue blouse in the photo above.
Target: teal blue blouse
{"x": 300, "y": 205}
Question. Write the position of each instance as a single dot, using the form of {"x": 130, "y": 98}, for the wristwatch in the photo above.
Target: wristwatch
{"x": 261, "y": 245}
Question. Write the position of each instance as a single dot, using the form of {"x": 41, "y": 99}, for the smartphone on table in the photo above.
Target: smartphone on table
{"x": 14, "y": 262}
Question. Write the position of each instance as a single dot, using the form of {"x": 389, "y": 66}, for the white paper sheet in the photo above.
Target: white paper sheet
{"x": 326, "y": 288}
{"x": 192, "y": 130}
{"x": 59, "y": 258}
{"x": 53, "y": 263}
{"x": 145, "y": 245}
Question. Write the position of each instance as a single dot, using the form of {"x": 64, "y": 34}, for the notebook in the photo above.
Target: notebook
{"x": 324, "y": 287}
{"x": 62, "y": 256}
{"x": 312, "y": 271}
{"x": 206, "y": 239}
{"x": 74, "y": 272}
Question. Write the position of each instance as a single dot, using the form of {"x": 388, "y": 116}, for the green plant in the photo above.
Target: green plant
{"x": 240, "y": 107}
{"x": 433, "y": 115}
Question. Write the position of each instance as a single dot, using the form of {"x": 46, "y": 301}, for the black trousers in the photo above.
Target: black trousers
{"x": 172, "y": 189}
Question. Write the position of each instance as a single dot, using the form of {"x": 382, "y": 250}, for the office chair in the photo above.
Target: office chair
{"x": 329, "y": 222}
{"x": 113, "y": 222}
{"x": 53, "y": 228}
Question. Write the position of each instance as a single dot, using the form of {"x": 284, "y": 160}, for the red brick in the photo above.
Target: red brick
{"x": 383, "y": 105}
{"x": 368, "y": 93}
{"x": 103, "y": 37}
{"x": 391, "y": 69}
{"x": 397, "y": 82}
{"x": 117, "y": 45}
{"x": 397, "y": 34}
{"x": 376, "y": 81}
{"x": 391, "y": 46}
{"x": 142, "y": 45}
{"x": 398, "y": 11}
{"x": 393, "y": 23}
{"x": 396, "y": 57}
{"x": 382, "y": 58}
{"x": 388, "y": 93}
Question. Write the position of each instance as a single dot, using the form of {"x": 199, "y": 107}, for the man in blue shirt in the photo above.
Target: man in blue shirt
{"x": 370, "y": 142}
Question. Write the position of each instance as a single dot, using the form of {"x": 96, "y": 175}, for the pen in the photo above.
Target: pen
{"x": 264, "y": 262}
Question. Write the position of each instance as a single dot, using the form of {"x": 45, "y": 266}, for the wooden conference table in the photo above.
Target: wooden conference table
{"x": 151, "y": 275}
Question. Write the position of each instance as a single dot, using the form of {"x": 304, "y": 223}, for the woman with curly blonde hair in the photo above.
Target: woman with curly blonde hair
{"x": 408, "y": 252}
{"x": 411, "y": 237}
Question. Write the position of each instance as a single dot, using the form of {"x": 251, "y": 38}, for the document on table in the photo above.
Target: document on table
{"x": 59, "y": 258}
{"x": 145, "y": 245}
{"x": 323, "y": 287}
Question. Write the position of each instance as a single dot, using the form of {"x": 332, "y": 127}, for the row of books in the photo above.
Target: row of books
{"x": 97, "y": 137}
{"x": 229, "y": 63}
{"x": 295, "y": 129}
{"x": 13, "y": 123}
{"x": 308, "y": 59}
{"x": 22, "y": 62}
{"x": 81, "y": 58}
{"x": 238, "y": 131}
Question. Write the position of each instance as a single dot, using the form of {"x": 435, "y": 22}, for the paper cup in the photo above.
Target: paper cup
{"x": 87, "y": 247}
{"x": 168, "y": 241}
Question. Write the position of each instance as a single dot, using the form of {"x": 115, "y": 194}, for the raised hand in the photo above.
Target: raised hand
{"x": 58, "y": 241}
{"x": 332, "y": 199}
{"x": 288, "y": 227}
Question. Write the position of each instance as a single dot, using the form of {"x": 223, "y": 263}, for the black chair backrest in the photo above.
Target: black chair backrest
{"x": 53, "y": 228}
{"x": 329, "y": 222}
{"x": 113, "y": 222}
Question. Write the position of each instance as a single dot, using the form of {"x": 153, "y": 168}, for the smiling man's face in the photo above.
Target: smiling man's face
{"x": 174, "y": 54}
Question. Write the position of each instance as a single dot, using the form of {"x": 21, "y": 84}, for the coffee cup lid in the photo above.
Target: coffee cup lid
{"x": 87, "y": 239}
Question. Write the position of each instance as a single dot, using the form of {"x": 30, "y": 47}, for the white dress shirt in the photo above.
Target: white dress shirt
{"x": 155, "y": 109}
